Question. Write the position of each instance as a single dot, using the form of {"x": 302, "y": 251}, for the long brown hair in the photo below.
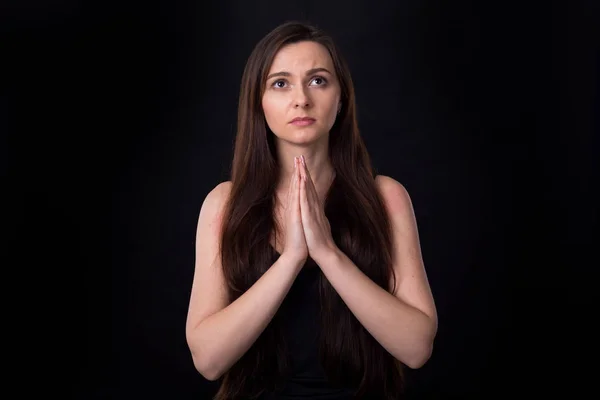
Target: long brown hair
{"x": 360, "y": 228}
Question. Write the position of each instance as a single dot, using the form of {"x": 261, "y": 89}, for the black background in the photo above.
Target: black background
{"x": 120, "y": 118}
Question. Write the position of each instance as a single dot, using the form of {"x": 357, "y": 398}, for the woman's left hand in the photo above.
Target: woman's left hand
{"x": 317, "y": 231}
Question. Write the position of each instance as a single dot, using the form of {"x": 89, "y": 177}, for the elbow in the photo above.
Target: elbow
{"x": 423, "y": 350}
{"x": 419, "y": 358}
{"x": 203, "y": 362}
{"x": 204, "y": 366}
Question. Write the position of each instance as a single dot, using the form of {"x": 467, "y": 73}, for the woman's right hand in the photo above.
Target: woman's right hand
{"x": 295, "y": 245}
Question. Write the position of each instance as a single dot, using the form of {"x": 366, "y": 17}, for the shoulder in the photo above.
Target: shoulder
{"x": 393, "y": 193}
{"x": 218, "y": 194}
{"x": 215, "y": 200}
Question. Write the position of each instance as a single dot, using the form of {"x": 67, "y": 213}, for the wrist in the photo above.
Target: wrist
{"x": 327, "y": 255}
{"x": 292, "y": 260}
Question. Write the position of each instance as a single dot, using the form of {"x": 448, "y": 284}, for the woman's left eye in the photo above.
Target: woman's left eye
{"x": 319, "y": 80}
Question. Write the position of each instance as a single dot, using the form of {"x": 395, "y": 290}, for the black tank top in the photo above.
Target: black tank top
{"x": 301, "y": 320}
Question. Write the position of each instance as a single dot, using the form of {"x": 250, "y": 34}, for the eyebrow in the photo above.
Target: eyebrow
{"x": 309, "y": 72}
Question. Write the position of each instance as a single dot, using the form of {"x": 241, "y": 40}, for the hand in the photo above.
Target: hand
{"x": 295, "y": 244}
{"x": 317, "y": 230}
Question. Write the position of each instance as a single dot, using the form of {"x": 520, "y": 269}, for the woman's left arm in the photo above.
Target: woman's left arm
{"x": 404, "y": 322}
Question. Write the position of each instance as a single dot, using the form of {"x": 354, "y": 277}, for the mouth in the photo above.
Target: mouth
{"x": 302, "y": 121}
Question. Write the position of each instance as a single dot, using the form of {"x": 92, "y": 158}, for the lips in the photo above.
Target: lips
{"x": 302, "y": 119}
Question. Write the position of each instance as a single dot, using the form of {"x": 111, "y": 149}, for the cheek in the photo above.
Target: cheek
{"x": 273, "y": 110}
{"x": 332, "y": 106}
{"x": 330, "y": 100}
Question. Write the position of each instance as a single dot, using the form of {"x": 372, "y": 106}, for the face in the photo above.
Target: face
{"x": 301, "y": 83}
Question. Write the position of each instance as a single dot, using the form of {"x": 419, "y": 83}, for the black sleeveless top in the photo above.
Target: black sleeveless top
{"x": 300, "y": 310}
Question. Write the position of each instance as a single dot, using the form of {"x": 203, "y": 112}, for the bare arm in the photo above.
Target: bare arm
{"x": 404, "y": 322}
{"x": 402, "y": 329}
{"x": 218, "y": 334}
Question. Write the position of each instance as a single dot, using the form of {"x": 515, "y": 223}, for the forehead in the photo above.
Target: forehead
{"x": 301, "y": 56}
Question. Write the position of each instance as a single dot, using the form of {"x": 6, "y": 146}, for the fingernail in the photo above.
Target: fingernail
{"x": 303, "y": 162}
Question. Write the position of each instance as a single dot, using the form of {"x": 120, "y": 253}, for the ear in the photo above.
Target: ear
{"x": 339, "y": 107}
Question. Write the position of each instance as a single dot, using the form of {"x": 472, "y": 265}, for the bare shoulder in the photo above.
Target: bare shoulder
{"x": 394, "y": 194}
{"x": 209, "y": 293}
{"x": 409, "y": 282}
{"x": 212, "y": 206}
{"x": 216, "y": 198}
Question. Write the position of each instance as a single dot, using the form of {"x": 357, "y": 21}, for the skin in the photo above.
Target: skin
{"x": 403, "y": 321}
{"x": 295, "y": 89}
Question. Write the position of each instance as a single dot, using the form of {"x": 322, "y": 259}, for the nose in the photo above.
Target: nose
{"x": 301, "y": 100}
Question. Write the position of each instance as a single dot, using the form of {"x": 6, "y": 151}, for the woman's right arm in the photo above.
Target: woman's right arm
{"x": 218, "y": 333}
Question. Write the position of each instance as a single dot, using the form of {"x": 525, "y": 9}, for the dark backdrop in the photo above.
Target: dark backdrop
{"x": 122, "y": 117}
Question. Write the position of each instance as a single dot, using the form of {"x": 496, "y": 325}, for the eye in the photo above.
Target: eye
{"x": 279, "y": 84}
{"x": 319, "y": 80}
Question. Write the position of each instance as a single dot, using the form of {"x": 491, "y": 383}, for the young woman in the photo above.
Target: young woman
{"x": 309, "y": 279}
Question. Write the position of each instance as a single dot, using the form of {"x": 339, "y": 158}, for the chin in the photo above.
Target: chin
{"x": 308, "y": 133}
{"x": 302, "y": 135}
{"x": 309, "y": 138}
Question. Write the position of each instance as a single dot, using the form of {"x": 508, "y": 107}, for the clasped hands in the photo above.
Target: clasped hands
{"x": 317, "y": 231}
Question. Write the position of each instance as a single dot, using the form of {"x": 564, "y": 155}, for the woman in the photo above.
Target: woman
{"x": 309, "y": 279}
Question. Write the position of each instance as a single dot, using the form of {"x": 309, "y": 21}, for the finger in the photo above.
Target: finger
{"x": 306, "y": 172}
{"x": 291, "y": 185}
{"x": 296, "y": 189}
{"x": 303, "y": 194}
{"x": 304, "y": 168}
{"x": 311, "y": 190}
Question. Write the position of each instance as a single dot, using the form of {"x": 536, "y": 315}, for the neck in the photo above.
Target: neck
{"x": 317, "y": 162}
